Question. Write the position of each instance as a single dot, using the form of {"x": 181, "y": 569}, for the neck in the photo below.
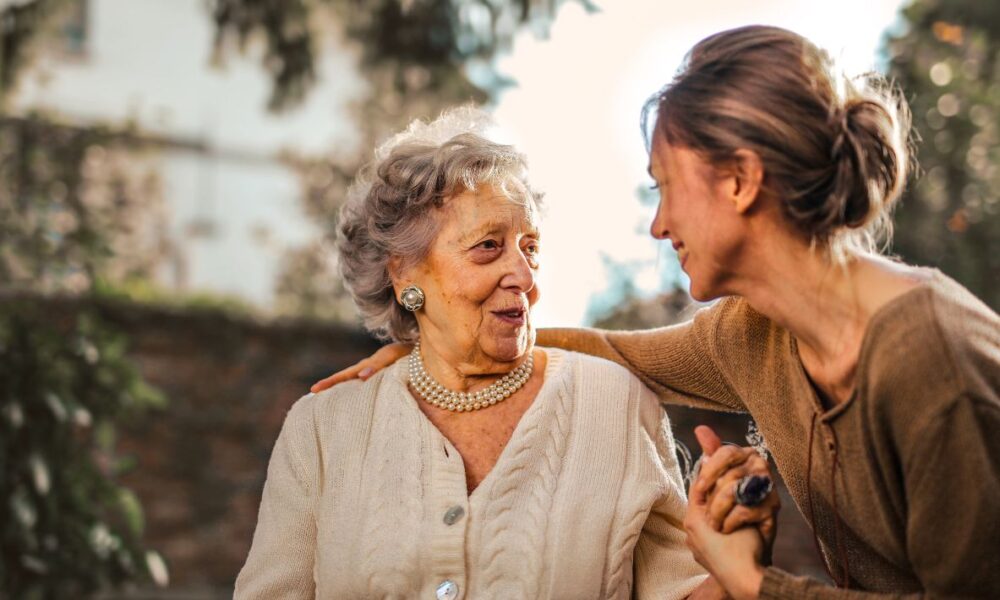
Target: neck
{"x": 825, "y": 305}
{"x": 465, "y": 373}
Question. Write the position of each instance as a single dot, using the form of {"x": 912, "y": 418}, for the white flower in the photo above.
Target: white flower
{"x": 157, "y": 568}
{"x": 56, "y": 406}
{"x": 14, "y": 414}
{"x": 101, "y": 540}
{"x": 81, "y": 416}
{"x": 23, "y": 509}
{"x": 40, "y": 474}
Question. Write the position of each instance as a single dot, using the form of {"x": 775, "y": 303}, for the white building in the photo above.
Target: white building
{"x": 233, "y": 207}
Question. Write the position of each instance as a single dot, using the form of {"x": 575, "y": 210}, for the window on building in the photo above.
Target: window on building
{"x": 72, "y": 28}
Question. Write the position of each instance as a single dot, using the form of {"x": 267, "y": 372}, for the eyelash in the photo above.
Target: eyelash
{"x": 533, "y": 247}
{"x": 655, "y": 186}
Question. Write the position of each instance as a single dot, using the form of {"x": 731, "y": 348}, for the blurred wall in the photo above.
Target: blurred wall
{"x": 232, "y": 203}
{"x": 200, "y": 463}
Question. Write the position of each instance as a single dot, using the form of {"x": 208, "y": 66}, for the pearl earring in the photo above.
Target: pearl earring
{"x": 412, "y": 298}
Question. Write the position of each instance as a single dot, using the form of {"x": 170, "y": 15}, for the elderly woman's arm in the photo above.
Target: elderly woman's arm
{"x": 280, "y": 564}
{"x": 664, "y": 567}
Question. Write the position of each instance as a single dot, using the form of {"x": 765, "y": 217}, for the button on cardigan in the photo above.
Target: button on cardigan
{"x": 365, "y": 498}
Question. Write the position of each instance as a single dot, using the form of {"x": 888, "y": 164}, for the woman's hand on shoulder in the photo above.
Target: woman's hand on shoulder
{"x": 383, "y": 357}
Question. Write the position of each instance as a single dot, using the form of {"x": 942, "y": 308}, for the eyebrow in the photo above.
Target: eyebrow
{"x": 494, "y": 227}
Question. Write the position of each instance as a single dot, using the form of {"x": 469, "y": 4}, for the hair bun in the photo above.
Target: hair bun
{"x": 835, "y": 150}
{"x": 868, "y": 160}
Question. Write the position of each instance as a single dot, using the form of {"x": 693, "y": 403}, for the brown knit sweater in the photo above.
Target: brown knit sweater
{"x": 910, "y": 463}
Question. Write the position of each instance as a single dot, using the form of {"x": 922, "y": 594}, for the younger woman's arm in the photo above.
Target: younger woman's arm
{"x": 678, "y": 362}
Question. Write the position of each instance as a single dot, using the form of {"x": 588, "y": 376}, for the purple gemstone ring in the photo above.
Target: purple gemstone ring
{"x": 751, "y": 490}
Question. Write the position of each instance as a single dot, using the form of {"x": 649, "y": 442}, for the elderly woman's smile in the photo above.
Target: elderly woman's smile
{"x": 479, "y": 281}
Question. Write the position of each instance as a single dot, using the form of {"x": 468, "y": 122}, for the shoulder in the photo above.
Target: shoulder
{"x": 967, "y": 327}
{"x": 748, "y": 345}
{"x": 592, "y": 375}
{"x": 313, "y": 408}
{"x": 738, "y": 320}
{"x": 938, "y": 336}
{"x": 317, "y": 419}
{"x": 928, "y": 351}
{"x": 600, "y": 385}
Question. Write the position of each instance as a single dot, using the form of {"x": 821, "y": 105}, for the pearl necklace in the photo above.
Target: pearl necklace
{"x": 440, "y": 396}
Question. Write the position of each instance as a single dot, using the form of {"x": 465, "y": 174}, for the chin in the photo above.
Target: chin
{"x": 509, "y": 348}
{"x": 703, "y": 293}
{"x": 700, "y": 296}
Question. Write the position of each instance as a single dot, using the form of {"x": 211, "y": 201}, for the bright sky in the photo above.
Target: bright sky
{"x": 575, "y": 113}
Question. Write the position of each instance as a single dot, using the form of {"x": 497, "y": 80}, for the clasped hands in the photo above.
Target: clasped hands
{"x": 733, "y": 542}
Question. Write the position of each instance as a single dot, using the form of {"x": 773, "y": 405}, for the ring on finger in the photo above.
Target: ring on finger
{"x": 751, "y": 490}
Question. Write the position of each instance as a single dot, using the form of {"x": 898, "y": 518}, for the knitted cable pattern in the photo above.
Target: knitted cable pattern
{"x": 622, "y": 546}
{"x": 514, "y": 552}
{"x": 397, "y": 513}
{"x": 620, "y": 582}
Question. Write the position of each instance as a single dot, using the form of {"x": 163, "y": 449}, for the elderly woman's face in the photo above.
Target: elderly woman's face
{"x": 479, "y": 278}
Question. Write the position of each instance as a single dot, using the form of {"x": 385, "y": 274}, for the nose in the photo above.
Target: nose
{"x": 519, "y": 276}
{"x": 658, "y": 228}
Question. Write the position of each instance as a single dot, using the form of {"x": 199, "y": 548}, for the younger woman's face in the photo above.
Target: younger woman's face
{"x": 697, "y": 215}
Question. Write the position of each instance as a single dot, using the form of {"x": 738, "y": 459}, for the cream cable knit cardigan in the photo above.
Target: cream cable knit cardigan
{"x": 366, "y": 499}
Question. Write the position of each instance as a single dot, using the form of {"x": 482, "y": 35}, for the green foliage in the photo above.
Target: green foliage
{"x": 416, "y": 56}
{"x": 417, "y": 43}
{"x": 948, "y": 63}
{"x": 69, "y": 210}
{"x": 67, "y": 528}
{"x": 71, "y": 206}
{"x": 143, "y": 290}
{"x": 20, "y": 24}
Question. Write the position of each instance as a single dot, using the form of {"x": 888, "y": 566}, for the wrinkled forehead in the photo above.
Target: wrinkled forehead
{"x": 491, "y": 207}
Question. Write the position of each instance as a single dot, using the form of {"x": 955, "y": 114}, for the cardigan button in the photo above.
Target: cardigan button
{"x": 448, "y": 590}
{"x": 453, "y": 515}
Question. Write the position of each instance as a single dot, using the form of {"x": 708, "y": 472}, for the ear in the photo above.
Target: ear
{"x": 396, "y": 274}
{"x": 747, "y": 178}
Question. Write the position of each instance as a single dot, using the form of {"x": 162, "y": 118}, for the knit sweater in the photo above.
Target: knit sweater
{"x": 903, "y": 491}
{"x": 365, "y": 498}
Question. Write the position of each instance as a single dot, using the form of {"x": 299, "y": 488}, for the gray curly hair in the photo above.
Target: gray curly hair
{"x": 391, "y": 208}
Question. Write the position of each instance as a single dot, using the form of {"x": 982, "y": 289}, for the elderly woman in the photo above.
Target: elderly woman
{"x": 479, "y": 466}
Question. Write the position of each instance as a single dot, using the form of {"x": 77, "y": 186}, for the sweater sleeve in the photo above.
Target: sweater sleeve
{"x": 664, "y": 566}
{"x": 952, "y": 482}
{"x": 678, "y": 362}
{"x": 280, "y": 563}
{"x": 779, "y": 585}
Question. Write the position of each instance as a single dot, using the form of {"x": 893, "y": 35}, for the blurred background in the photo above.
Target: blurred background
{"x": 170, "y": 174}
